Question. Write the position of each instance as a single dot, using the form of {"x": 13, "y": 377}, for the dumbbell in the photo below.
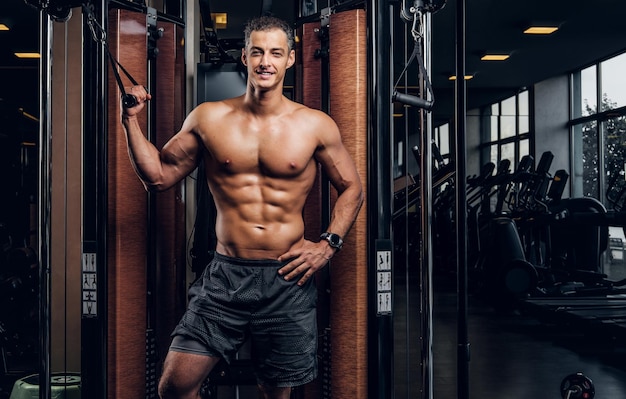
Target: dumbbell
{"x": 577, "y": 386}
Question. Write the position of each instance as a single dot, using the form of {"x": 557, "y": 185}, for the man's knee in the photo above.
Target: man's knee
{"x": 183, "y": 375}
{"x": 166, "y": 388}
{"x": 270, "y": 392}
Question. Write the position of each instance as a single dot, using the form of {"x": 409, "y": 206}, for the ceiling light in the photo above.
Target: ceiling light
{"x": 541, "y": 30}
{"x": 467, "y": 77}
{"x": 220, "y": 19}
{"x": 3, "y": 27}
{"x": 494, "y": 57}
{"x": 27, "y": 55}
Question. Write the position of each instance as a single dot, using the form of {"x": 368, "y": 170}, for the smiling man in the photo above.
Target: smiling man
{"x": 260, "y": 152}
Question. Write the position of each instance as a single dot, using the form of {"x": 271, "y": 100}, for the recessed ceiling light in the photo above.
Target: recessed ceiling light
{"x": 467, "y": 77}
{"x": 494, "y": 57}
{"x": 220, "y": 19}
{"x": 541, "y": 30}
{"x": 27, "y": 55}
{"x": 3, "y": 27}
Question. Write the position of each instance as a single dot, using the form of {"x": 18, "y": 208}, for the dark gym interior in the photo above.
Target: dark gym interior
{"x": 498, "y": 196}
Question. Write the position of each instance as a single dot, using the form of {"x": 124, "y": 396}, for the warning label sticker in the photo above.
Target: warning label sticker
{"x": 90, "y": 285}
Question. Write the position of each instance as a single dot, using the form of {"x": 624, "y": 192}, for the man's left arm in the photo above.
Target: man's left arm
{"x": 343, "y": 175}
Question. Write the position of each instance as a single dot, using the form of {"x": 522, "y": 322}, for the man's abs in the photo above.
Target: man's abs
{"x": 255, "y": 239}
{"x": 259, "y": 216}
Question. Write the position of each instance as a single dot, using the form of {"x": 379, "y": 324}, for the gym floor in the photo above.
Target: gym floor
{"x": 513, "y": 355}
{"x": 517, "y": 356}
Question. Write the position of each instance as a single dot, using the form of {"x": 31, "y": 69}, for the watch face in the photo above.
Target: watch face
{"x": 334, "y": 240}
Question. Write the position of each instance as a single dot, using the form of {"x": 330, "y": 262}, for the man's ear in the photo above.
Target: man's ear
{"x": 292, "y": 59}
{"x": 243, "y": 56}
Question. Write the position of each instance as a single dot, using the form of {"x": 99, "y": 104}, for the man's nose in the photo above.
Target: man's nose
{"x": 265, "y": 60}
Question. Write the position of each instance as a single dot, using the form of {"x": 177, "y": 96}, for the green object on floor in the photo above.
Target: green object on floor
{"x": 62, "y": 386}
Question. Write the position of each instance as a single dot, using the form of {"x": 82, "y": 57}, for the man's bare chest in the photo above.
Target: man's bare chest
{"x": 277, "y": 154}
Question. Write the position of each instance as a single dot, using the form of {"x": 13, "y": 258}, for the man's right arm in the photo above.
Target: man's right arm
{"x": 159, "y": 170}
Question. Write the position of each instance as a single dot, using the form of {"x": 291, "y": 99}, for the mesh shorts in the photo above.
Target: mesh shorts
{"x": 236, "y": 299}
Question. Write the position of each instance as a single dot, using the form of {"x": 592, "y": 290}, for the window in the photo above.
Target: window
{"x": 598, "y": 132}
{"x": 586, "y": 162}
{"x": 613, "y": 82}
{"x": 506, "y": 130}
{"x": 584, "y": 89}
{"x": 441, "y": 137}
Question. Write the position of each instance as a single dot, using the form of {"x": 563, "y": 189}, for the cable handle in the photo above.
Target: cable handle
{"x": 98, "y": 34}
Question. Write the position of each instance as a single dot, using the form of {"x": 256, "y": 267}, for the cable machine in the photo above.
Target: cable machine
{"x": 132, "y": 243}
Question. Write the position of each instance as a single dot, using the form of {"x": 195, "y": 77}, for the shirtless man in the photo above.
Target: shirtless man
{"x": 260, "y": 152}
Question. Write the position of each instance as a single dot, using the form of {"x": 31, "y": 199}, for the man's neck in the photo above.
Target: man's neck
{"x": 264, "y": 102}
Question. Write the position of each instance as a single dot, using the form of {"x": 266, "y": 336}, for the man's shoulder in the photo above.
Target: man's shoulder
{"x": 215, "y": 110}
{"x": 223, "y": 105}
{"x": 310, "y": 114}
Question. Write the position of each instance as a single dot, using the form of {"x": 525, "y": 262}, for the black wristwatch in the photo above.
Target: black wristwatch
{"x": 333, "y": 239}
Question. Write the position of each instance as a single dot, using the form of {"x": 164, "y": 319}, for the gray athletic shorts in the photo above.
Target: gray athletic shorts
{"x": 236, "y": 299}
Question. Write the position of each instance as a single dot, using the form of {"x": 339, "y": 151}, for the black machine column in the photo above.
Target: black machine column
{"x": 463, "y": 353}
{"x": 45, "y": 188}
{"x": 380, "y": 195}
{"x": 94, "y": 249}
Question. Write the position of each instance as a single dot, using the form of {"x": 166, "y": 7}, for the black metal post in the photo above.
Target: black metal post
{"x": 380, "y": 192}
{"x": 426, "y": 215}
{"x": 45, "y": 208}
{"x": 463, "y": 353}
{"x": 94, "y": 219}
{"x": 152, "y": 258}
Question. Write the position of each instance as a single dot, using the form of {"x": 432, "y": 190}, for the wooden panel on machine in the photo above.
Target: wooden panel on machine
{"x": 128, "y": 246}
{"x": 309, "y": 93}
{"x": 171, "y": 289}
{"x": 348, "y": 107}
{"x": 127, "y": 222}
{"x": 127, "y": 227}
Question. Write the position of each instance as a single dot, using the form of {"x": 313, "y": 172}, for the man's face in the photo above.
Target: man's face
{"x": 267, "y": 57}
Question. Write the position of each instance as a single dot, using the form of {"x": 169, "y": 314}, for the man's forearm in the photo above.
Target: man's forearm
{"x": 144, "y": 156}
{"x": 345, "y": 211}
